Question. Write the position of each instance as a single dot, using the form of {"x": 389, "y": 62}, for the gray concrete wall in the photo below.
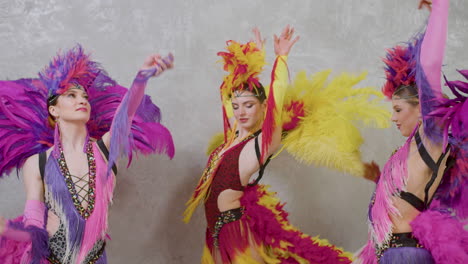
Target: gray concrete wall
{"x": 145, "y": 220}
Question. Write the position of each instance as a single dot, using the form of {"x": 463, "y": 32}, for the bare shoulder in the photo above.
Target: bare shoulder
{"x": 106, "y": 139}
{"x": 31, "y": 168}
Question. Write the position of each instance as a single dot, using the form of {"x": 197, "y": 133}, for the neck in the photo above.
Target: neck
{"x": 243, "y": 132}
{"x": 72, "y": 135}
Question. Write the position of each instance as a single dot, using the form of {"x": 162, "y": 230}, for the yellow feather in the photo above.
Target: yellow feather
{"x": 270, "y": 201}
{"x": 215, "y": 142}
{"x": 206, "y": 257}
{"x": 246, "y": 55}
{"x": 328, "y": 134}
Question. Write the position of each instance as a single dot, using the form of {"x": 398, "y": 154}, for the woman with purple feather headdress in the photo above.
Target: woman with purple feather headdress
{"x": 66, "y": 130}
{"x": 420, "y": 205}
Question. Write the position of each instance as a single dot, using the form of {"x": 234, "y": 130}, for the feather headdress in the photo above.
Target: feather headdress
{"x": 244, "y": 63}
{"x": 400, "y": 65}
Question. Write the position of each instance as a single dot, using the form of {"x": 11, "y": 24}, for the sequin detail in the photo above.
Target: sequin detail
{"x": 396, "y": 241}
{"x": 226, "y": 217}
{"x": 225, "y": 176}
{"x": 91, "y": 195}
{"x": 57, "y": 247}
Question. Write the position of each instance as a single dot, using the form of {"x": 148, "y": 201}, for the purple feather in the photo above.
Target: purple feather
{"x": 39, "y": 243}
{"x": 69, "y": 68}
{"x": 453, "y": 191}
{"x": 23, "y": 122}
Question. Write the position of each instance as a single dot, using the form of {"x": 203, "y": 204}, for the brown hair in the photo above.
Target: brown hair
{"x": 52, "y": 101}
{"x": 409, "y": 93}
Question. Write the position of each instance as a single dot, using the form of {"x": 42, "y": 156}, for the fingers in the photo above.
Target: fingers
{"x": 258, "y": 38}
{"x": 169, "y": 61}
{"x": 285, "y": 31}
{"x": 158, "y": 63}
{"x": 295, "y": 40}
{"x": 256, "y": 32}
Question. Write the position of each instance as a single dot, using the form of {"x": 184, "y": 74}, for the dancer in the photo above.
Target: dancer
{"x": 66, "y": 130}
{"x": 417, "y": 210}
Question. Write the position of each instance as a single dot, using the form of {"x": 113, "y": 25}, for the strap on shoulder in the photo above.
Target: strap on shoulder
{"x": 42, "y": 163}
{"x": 105, "y": 151}
{"x": 434, "y": 166}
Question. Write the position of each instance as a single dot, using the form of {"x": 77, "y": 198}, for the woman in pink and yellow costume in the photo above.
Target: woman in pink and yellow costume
{"x": 418, "y": 211}
{"x": 66, "y": 130}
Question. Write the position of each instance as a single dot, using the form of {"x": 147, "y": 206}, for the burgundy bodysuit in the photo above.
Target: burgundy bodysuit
{"x": 226, "y": 177}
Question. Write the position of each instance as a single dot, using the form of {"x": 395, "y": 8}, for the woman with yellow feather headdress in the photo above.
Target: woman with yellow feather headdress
{"x": 246, "y": 222}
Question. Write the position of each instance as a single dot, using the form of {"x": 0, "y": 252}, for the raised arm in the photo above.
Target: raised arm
{"x": 433, "y": 45}
{"x": 272, "y": 129}
{"x": 153, "y": 66}
{"x": 118, "y": 139}
{"x": 428, "y": 70}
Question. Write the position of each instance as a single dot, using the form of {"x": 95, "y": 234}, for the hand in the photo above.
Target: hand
{"x": 155, "y": 61}
{"x": 371, "y": 171}
{"x": 258, "y": 38}
{"x": 283, "y": 43}
{"x": 425, "y": 3}
{"x": 2, "y": 225}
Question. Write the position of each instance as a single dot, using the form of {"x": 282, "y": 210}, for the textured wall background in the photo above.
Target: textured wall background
{"x": 145, "y": 221}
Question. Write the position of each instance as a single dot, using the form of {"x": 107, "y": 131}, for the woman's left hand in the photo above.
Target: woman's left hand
{"x": 283, "y": 43}
{"x": 425, "y": 3}
{"x": 159, "y": 63}
{"x": 2, "y": 225}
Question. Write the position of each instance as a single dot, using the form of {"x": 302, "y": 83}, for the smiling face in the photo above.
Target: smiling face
{"x": 248, "y": 110}
{"x": 72, "y": 106}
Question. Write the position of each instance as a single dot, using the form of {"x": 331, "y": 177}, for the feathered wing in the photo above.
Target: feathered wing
{"x": 24, "y": 129}
{"x": 453, "y": 191}
{"x": 322, "y": 118}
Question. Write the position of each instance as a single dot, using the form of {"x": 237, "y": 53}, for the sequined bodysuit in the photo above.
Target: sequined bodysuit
{"x": 226, "y": 177}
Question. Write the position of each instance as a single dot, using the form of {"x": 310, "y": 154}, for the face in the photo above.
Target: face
{"x": 72, "y": 106}
{"x": 248, "y": 110}
{"x": 405, "y": 115}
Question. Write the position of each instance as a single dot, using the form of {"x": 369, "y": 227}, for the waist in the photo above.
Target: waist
{"x": 220, "y": 202}
{"x": 399, "y": 240}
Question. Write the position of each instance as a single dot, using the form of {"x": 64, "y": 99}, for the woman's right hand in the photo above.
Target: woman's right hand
{"x": 2, "y": 225}
{"x": 159, "y": 63}
{"x": 371, "y": 171}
